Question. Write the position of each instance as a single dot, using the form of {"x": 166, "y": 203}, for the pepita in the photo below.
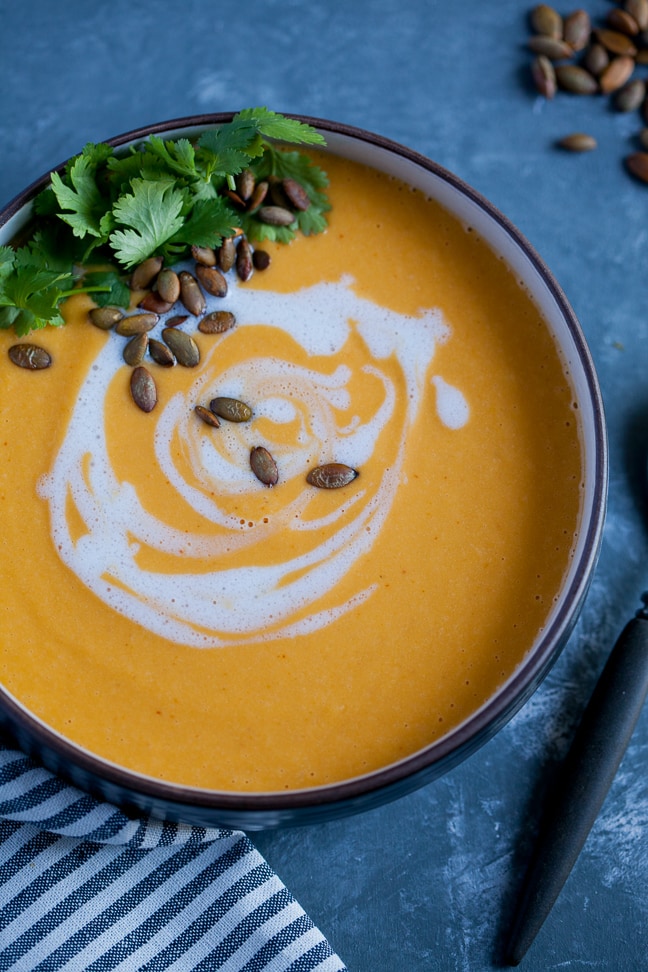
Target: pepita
{"x": 276, "y": 215}
{"x": 161, "y": 353}
{"x": 596, "y": 59}
{"x": 616, "y": 74}
{"x": 332, "y": 475}
{"x": 545, "y": 20}
{"x": 168, "y": 285}
{"x": 136, "y": 324}
{"x": 578, "y": 142}
{"x": 30, "y": 356}
{"x": 205, "y": 255}
{"x": 143, "y": 389}
{"x": 258, "y": 196}
{"x": 183, "y": 346}
{"x": 230, "y": 409}
{"x": 631, "y": 96}
{"x": 135, "y": 349}
{"x": 544, "y": 76}
{"x": 263, "y": 466}
{"x": 207, "y": 416}
{"x": 245, "y": 182}
{"x": 297, "y": 195}
{"x": 154, "y": 303}
{"x": 577, "y": 29}
{"x": 217, "y": 322}
{"x": 227, "y": 254}
{"x": 575, "y": 79}
{"x": 190, "y": 294}
{"x": 176, "y": 320}
{"x": 145, "y": 273}
{"x": 622, "y": 21}
{"x": 244, "y": 266}
{"x": 638, "y": 9}
{"x": 616, "y": 42}
{"x": 212, "y": 280}
{"x": 637, "y": 164}
{"x": 105, "y": 317}
{"x": 552, "y": 47}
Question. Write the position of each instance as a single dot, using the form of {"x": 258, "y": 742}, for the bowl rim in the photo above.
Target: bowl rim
{"x": 442, "y": 754}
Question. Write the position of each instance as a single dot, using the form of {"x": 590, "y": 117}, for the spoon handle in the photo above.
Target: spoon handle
{"x": 585, "y": 778}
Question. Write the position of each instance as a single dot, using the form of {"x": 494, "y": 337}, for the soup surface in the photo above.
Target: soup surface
{"x": 166, "y": 610}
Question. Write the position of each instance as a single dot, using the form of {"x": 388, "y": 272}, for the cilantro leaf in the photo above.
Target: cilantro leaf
{"x": 30, "y": 294}
{"x": 106, "y": 287}
{"x": 153, "y": 211}
{"x": 81, "y": 202}
{"x": 284, "y": 129}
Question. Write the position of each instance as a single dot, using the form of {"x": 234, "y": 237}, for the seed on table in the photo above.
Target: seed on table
{"x": 296, "y": 194}
{"x": 545, "y": 20}
{"x": 637, "y": 165}
{"x": 226, "y": 254}
{"x": 630, "y": 96}
{"x": 332, "y": 475}
{"x": 208, "y": 417}
{"x": 544, "y": 76}
{"x": 145, "y": 273}
{"x": 183, "y": 346}
{"x": 136, "y": 324}
{"x": 205, "y": 255}
{"x": 230, "y": 409}
{"x": 551, "y": 47}
{"x": 244, "y": 260}
{"x": 596, "y": 59}
{"x": 616, "y": 42}
{"x": 212, "y": 280}
{"x": 143, "y": 389}
{"x": 638, "y": 9}
{"x": 577, "y": 29}
{"x": 261, "y": 259}
{"x": 135, "y": 349}
{"x": 263, "y": 466}
{"x": 276, "y": 215}
{"x": 105, "y": 317}
{"x": 168, "y": 285}
{"x": 190, "y": 294}
{"x": 30, "y": 356}
{"x": 217, "y": 322}
{"x": 161, "y": 353}
{"x": 622, "y": 21}
{"x": 154, "y": 303}
{"x": 577, "y": 142}
{"x": 176, "y": 320}
{"x": 616, "y": 74}
{"x": 575, "y": 79}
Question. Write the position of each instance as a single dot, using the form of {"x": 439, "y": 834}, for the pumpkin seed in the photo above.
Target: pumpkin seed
{"x": 145, "y": 273}
{"x": 161, "y": 353}
{"x": 332, "y": 475}
{"x": 30, "y": 356}
{"x": 630, "y": 96}
{"x": 226, "y": 254}
{"x": 217, "y": 322}
{"x": 578, "y": 142}
{"x": 143, "y": 389}
{"x": 275, "y": 215}
{"x": 183, "y": 346}
{"x": 638, "y": 9}
{"x": 105, "y": 317}
{"x": 544, "y": 76}
{"x": 244, "y": 260}
{"x": 637, "y": 164}
{"x": 231, "y": 409}
{"x": 245, "y": 182}
{"x": 545, "y": 20}
{"x": 263, "y": 466}
{"x": 212, "y": 280}
{"x": 575, "y": 79}
{"x": 551, "y": 47}
{"x": 258, "y": 196}
{"x": 616, "y": 42}
{"x": 190, "y": 294}
{"x": 136, "y": 324}
{"x": 261, "y": 259}
{"x": 205, "y": 255}
{"x": 168, "y": 285}
{"x": 135, "y": 349}
{"x": 616, "y": 73}
{"x": 175, "y": 320}
{"x": 207, "y": 416}
{"x": 622, "y": 21}
{"x": 153, "y": 302}
{"x": 596, "y": 59}
{"x": 577, "y": 29}
{"x": 296, "y": 193}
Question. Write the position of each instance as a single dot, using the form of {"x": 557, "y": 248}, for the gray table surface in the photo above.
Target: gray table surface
{"x": 427, "y": 882}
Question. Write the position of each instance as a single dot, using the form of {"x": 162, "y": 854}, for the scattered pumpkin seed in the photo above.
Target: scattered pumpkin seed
{"x": 183, "y": 346}
{"x": 135, "y": 349}
{"x": 244, "y": 260}
{"x": 630, "y": 96}
{"x": 276, "y": 215}
{"x": 263, "y": 466}
{"x": 190, "y": 294}
{"x": 577, "y": 142}
{"x": 136, "y": 324}
{"x": 596, "y": 59}
{"x": 145, "y": 273}
{"x": 258, "y": 196}
{"x": 296, "y": 194}
{"x": 30, "y": 356}
{"x": 616, "y": 42}
{"x": 332, "y": 475}
{"x": 208, "y": 417}
{"x": 622, "y": 21}
{"x": 205, "y": 255}
{"x": 575, "y": 79}
{"x": 545, "y": 20}
{"x": 544, "y": 76}
{"x": 230, "y": 409}
{"x": 212, "y": 280}
{"x": 616, "y": 73}
{"x": 227, "y": 254}
{"x": 153, "y": 302}
{"x": 143, "y": 389}
{"x": 161, "y": 353}
{"x": 168, "y": 285}
{"x": 245, "y": 182}
{"x": 577, "y": 29}
{"x": 552, "y": 47}
{"x": 105, "y": 317}
{"x": 217, "y": 322}
{"x": 175, "y": 320}
{"x": 639, "y": 10}
{"x": 637, "y": 165}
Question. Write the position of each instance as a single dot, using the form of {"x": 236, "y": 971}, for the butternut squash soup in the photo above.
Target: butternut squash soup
{"x": 242, "y": 626}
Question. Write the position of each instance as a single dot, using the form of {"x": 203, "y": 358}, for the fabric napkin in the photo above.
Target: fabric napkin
{"x": 84, "y": 888}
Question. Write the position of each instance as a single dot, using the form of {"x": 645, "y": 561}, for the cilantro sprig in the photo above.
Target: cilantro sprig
{"x": 159, "y": 198}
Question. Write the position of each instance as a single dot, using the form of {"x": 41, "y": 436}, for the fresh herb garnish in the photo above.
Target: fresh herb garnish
{"x": 159, "y": 198}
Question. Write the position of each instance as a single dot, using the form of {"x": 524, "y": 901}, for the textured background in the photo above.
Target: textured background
{"x": 428, "y": 882}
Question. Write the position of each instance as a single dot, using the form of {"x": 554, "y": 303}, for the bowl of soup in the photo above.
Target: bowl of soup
{"x": 317, "y": 605}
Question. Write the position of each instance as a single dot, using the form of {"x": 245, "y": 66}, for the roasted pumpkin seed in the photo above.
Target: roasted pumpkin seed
{"x": 136, "y": 324}
{"x": 212, "y": 280}
{"x": 596, "y": 59}
{"x": 622, "y": 21}
{"x": 183, "y": 346}
{"x": 135, "y": 349}
{"x": 217, "y": 322}
{"x": 168, "y": 285}
{"x": 244, "y": 260}
{"x": 630, "y": 97}
{"x": 276, "y": 216}
{"x": 190, "y": 294}
{"x": 616, "y": 42}
{"x": 208, "y": 417}
{"x": 145, "y": 273}
{"x": 616, "y": 74}
{"x": 297, "y": 195}
{"x": 161, "y": 353}
{"x": 263, "y": 466}
{"x": 205, "y": 255}
{"x": 575, "y": 79}
{"x": 551, "y": 47}
{"x": 577, "y": 29}
{"x": 577, "y": 142}
{"x": 227, "y": 254}
{"x": 258, "y": 196}
{"x": 30, "y": 356}
{"x": 332, "y": 475}
{"x": 105, "y": 317}
{"x": 638, "y": 9}
{"x": 245, "y": 182}
{"x": 231, "y": 409}
{"x": 176, "y": 320}
{"x": 143, "y": 389}
{"x": 154, "y": 303}
{"x": 545, "y": 20}
{"x": 544, "y": 76}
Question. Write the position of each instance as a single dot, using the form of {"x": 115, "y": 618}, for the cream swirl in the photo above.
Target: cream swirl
{"x": 304, "y": 414}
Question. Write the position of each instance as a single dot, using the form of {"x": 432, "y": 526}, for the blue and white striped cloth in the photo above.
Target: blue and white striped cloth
{"x": 84, "y": 888}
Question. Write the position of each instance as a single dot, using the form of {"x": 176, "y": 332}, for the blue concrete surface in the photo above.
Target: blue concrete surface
{"x": 429, "y": 882}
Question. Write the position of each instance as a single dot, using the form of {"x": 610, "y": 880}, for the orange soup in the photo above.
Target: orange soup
{"x": 164, "y": 608}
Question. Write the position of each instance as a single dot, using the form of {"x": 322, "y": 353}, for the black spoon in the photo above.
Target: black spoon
{"x": 585, "y": 778}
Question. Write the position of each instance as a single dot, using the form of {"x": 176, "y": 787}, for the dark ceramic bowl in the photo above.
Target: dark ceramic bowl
{"x": 139, "y": 794}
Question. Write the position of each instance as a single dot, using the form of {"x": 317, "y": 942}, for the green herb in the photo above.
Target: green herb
{"x": 159, "y": 198}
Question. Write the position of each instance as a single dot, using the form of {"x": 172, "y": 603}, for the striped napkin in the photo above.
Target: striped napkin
{"x": 84, "y": 888}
